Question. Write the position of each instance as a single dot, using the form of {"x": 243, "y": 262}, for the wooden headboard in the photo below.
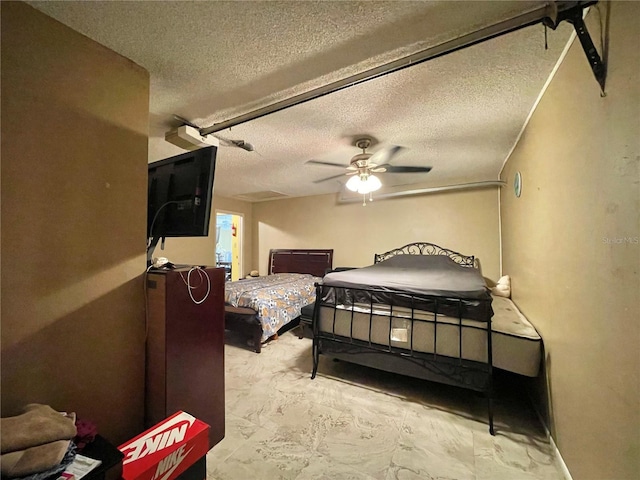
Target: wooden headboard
{"x": 314, "y": 262}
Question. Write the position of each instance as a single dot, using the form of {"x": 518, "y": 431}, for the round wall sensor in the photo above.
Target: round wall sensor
{"x": 517, "y": 184}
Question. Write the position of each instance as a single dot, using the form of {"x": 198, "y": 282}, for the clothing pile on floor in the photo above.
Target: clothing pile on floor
{"x": 36, "y": 444}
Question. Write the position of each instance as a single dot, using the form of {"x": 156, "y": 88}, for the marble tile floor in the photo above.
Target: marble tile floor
{"x": 356, "y": 423}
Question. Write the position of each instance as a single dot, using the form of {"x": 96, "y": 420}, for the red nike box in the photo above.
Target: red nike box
{"x": 165, "y": 450}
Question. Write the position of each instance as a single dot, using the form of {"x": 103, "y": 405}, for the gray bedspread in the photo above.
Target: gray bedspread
{"x": 428, "y": 282}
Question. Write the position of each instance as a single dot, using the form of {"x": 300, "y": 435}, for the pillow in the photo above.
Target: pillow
{"x": 503, "y": 287}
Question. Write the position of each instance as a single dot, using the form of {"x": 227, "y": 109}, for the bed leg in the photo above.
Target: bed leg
{"x": 490, "y": 405}
{"x": 316, "y": 355}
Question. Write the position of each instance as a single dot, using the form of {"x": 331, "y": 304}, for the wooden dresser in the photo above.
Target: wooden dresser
{"x": 185, "y": 347}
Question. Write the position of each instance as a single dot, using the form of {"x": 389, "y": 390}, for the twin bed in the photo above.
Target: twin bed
{"x": 419, "y": 310}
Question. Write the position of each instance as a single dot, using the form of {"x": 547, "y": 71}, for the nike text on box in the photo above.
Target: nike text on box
{"x": 165, "y": 450}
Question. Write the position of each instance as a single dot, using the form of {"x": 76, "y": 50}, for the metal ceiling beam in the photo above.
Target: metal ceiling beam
{"x": 552, "y": 13}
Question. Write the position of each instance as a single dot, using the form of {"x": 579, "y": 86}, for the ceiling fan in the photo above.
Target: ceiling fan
{"x": 364, "y": 165}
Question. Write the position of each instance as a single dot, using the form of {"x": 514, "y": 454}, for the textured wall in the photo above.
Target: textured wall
{"x": 570, "y": 244}
{"x": 466, "y": 222}
{"x": 74, "y": 155}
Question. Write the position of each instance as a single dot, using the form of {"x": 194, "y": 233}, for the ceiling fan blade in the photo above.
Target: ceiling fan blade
{"x": 385, "y": 155}
{"x": 328, "y": 164}
{"x": 405, "y": 169}
{"x": 328, "y": 178}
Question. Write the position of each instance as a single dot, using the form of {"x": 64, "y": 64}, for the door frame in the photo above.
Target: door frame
{"x": 239, "y": 234}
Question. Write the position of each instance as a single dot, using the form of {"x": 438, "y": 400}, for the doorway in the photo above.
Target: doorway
{"x": 229, "y": 244}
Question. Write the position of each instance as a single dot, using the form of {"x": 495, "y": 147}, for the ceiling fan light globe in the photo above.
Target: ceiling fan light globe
{"x": 364, "y": 184}
{"x": 374, "y": 183}
{"x": 354, "y": 183}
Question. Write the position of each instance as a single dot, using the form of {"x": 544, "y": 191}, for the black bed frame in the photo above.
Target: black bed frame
{"x": 458, "y": 371}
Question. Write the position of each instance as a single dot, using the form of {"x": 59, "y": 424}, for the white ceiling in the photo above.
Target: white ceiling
{"x": 211, "y": 61}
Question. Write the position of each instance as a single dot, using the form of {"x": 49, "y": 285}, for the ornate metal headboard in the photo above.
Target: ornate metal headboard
{"x": 424, "y": 248}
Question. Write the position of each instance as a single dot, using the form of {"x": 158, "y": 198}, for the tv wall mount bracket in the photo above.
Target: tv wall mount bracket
{"x": 573, "y": 15}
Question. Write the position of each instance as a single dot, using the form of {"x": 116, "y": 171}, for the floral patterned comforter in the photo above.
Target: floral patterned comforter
{"x": 277, "y": 298}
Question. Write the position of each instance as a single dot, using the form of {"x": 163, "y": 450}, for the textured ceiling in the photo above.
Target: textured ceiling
{"x": 211, "y": 61}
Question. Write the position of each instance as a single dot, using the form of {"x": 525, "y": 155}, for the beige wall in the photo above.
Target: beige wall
{"x": 74, "y": 155}
{"x": 202, "y": 250}
{"x": 570, "y": 244}
{"x": 466, "y": 222}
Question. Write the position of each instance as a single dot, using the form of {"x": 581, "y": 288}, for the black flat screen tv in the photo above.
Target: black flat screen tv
{"x": 180, "y": 193}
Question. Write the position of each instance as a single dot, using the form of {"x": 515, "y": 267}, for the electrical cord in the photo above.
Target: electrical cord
{"x": 202, "y": 275}
{"x": 149, "y": 239}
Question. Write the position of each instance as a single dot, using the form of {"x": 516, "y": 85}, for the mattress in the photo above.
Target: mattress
{"x": 418, "y": 281}
{"x": 516, "y": 343}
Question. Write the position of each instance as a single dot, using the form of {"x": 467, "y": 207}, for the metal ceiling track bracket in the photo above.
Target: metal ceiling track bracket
{"x": 574, "y": 15}
{"x": 550, "y": 14}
